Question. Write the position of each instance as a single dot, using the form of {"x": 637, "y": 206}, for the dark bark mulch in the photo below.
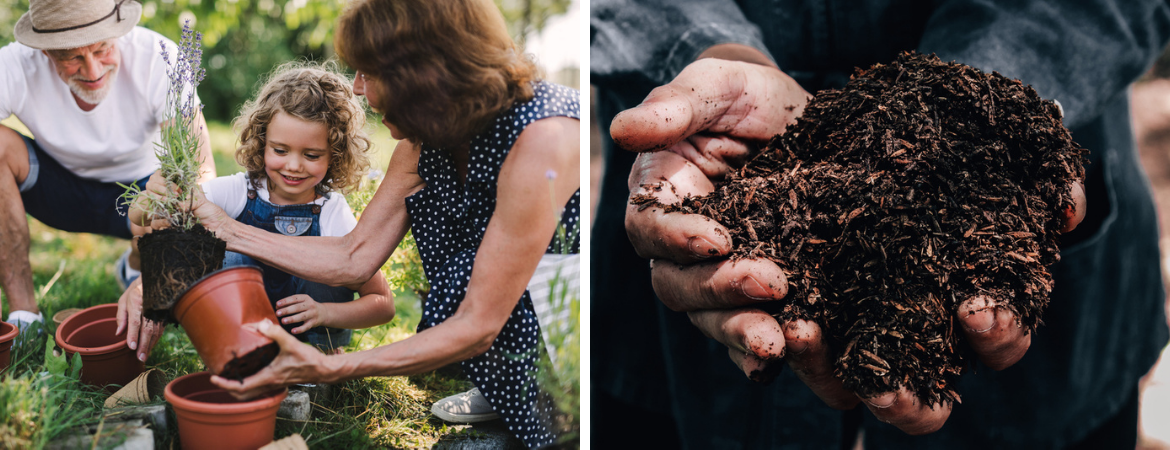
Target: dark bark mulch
{"x": 917, "y": 186}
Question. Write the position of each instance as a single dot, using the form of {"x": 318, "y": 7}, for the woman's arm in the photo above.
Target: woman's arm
{"x": 517, "y": 235}
{"x": 337, "y": 261}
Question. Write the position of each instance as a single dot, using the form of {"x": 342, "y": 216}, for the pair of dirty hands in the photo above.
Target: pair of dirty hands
{"x": 706, "y": 122}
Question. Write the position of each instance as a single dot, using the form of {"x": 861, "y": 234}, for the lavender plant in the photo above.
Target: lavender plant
{"x": 178, "y": 152}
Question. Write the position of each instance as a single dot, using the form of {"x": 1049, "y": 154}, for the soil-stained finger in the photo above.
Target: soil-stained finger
{"x": 902, "y": 409}
{"x": 669, "y": 177}
{"x": 1080, "y": 207}
{"x": 812, "y": 361}
{"x": 993, "y": 332}
{"x": 712, "y": 95}
{"x": 756, "y": 369}
{"x": 718, "y": 284}
{"x": 745, "y": 330}
{"x": 715, "y": 155}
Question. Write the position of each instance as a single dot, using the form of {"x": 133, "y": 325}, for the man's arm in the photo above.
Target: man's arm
{"x": 653, "y": 40}
{"x": 207, "y": 164}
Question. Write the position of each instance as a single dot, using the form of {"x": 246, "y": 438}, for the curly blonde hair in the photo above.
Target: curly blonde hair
{"x": 315, "y": 93}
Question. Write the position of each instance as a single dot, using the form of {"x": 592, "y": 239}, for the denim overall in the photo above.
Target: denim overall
{"x": 292, "y": 220}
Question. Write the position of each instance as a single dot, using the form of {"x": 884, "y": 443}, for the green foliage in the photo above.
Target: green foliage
{"x": 378, "y": 412}
{"x": 404, "y": 269}
{"x": 247, "y": 39}
{"x": 55, "y": 364}
{"x": 527, "y": 16}
{"x": 560, "y": 373}
{"x": 35, "y": 409}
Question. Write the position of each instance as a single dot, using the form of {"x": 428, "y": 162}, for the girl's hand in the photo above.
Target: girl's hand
{"x": 297, "y": 363}
{"x": 302, "y": 308}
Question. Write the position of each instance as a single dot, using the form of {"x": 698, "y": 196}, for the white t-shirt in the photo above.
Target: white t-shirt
{"x": 113, "y": 142}
{"x": 231, "y": 193}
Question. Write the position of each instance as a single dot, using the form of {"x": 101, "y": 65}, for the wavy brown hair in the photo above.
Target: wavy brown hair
{"x": 445, "y": 68}
{"x": 314, "y": 93}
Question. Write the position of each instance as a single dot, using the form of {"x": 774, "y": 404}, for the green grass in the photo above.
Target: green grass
{"x": 76, "y": 271}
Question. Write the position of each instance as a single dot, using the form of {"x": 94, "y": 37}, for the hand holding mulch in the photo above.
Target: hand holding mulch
{"x": 815, "y": 204}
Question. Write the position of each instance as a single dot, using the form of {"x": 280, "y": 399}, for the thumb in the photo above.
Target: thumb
{"x": 743, "y": 100}
{"x": 277, "y": 334}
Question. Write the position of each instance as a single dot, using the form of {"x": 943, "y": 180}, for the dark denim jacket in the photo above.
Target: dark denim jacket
{"x": 1106, "y": 323}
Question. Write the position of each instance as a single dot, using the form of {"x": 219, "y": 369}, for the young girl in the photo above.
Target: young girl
{"x": 302, "y": 144}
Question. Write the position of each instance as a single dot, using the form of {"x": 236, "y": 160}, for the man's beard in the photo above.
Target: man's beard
{"x": 94, "y": 96}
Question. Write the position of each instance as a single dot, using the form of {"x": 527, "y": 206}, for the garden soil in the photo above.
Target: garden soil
{"x": 173, "y": 260}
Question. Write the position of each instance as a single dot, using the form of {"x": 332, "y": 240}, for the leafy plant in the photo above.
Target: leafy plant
{"x": 404, "y": 269}
{"x": 178, "y": 153}
{"x": 560, "y": 373}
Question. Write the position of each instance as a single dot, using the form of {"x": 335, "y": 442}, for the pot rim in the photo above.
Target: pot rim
{"x": 60, "y": 338}
{"x": 180, "y": 304}
{"x": 9, "y": 335}
{"x": 257, "y": 404}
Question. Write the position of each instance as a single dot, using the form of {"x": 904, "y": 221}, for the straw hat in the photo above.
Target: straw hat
{"x": 65, "y": 24}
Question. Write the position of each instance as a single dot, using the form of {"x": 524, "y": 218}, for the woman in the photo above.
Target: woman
{"x": 479, "y": 137}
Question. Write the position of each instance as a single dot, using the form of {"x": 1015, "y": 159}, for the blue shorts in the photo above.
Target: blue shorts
{"x": 67, "y": 202}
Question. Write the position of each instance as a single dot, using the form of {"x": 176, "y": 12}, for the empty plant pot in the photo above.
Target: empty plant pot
{"x": 64, "y": 314}
{"x": 8, "y": 333}
{"x": 105, "y": 358}
{"x": 213, "y": 312}
{"x": 210, "y": 418}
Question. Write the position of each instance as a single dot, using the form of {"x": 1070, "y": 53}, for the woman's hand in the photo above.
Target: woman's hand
{"x": 302, "y": 308}
{"x": 297, "y": 363}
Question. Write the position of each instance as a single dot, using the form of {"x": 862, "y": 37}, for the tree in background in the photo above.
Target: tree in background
{"x": 244, "y": 39}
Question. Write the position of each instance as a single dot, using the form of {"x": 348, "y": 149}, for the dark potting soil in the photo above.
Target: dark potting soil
{"x": 917, "y": 186}
{"x": 243, "y": 366}
{"x": 172, "y": 260}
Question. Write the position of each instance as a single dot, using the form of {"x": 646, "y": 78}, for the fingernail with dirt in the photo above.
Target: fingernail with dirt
{"x": 701, "y": 247}
{"x": 797, "y": 346}
{"x": 754, "y": 289}
{"x": 883, "y": 401}
{"x": 795, "y": 340}
{"x": 979, "y": 316}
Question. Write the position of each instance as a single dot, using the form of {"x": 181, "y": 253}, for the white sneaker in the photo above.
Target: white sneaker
{"x": 468, "y": 407}
{"x": 24, "y": 319}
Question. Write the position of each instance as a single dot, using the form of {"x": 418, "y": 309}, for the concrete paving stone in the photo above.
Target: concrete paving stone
{"x": 132, "y": 434}
{"x": 490, "y": 435}
{"x": 153, "y": 415}
{"x": 295, "y": 407}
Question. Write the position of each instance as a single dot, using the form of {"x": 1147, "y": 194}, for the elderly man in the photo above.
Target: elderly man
{"x": 91, "y": 87}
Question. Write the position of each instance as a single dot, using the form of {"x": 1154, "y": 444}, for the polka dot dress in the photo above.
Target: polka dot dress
{"x": 449, "y": 220}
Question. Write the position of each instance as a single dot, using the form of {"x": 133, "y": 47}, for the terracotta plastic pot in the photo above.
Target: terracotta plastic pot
{"x": 212, "y": 312}
{"x": 105, "y": 358}
{"x": 210, "y": 418}
{"x": 8, "y": 333}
